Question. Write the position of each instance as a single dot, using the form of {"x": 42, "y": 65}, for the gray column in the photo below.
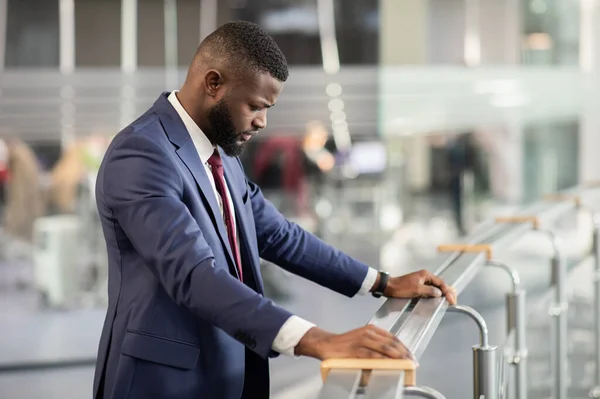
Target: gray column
{"x": 513, "y": 145}
{"x": 472, "y": 39}
{"x": 171, "y": 42}
{"x": 513, "y": 21}
{"x": 589, "y": 62}
{"x": 403, "y": 38}
{"x": 208, "y": 18}
{"x": 129, "y": 29}
{"x": 66, "y": 20}
{"x": 3, "y": 17}
{"x": 129, "y": 58}
{"x": 403, "y": 32}
{"x": 329, "y": 47}
{"x": 499, "y": 29}
{"x": 595, "y": 391}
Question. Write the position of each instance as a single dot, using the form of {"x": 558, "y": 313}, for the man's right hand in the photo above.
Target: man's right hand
{"x": 365, "y": 342}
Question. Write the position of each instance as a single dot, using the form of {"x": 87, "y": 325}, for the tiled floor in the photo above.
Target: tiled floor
{"x": 51, "y": 335}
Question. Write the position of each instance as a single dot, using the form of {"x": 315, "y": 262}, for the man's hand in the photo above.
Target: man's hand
{"x": 419, "y": 284}
{"x": 365, "y": 342}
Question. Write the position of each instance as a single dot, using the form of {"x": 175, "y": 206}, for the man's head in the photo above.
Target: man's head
{"x": 236, "y": 75}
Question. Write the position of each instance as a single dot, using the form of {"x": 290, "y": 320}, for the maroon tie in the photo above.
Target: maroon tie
{"x": 216, "y": 165}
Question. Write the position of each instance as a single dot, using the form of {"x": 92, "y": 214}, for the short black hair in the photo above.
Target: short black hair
{"x": 244, "y": 45}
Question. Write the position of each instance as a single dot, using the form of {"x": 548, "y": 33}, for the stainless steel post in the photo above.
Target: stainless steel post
{"x": 559, "y": 312}
{"x": 3, "y": 32}
{"x": 595, "y": 392}
{"x": 484, "y": 372}
{"x": 484, "y": 358}
{"x": 515, "y": 320}
{"x": 515, "y": 304}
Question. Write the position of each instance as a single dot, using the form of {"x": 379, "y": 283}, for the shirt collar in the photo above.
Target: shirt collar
{"x": 202, "y": 143}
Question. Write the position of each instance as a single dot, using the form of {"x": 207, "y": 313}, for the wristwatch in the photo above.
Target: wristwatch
{"x": 383, "y": 279}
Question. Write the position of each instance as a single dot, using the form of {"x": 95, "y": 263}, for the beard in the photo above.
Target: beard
{"x": 223, "y": 132}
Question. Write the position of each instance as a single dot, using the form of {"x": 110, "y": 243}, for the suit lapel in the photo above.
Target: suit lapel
{"x": 189, "y": 156}
{"x": 185, "y": 149}
{"x": 240, "y": 214}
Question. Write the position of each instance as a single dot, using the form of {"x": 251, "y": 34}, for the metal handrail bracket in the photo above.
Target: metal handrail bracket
{"x": 423, "y": 318}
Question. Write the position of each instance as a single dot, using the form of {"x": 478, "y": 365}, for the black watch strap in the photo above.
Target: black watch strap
{"x": 383, "y": 280}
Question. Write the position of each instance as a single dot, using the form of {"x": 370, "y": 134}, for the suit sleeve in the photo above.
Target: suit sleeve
{"x": 302, "y": 253}
{"x": 143, "y": 194}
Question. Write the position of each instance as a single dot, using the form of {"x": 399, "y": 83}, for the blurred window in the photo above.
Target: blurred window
{"x": 32, "y": 33}
{"x": 294, "y": 25}
{"x": 98, "y": 33}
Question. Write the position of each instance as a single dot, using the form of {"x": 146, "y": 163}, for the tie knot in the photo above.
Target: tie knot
{"x": 215, "y": 159}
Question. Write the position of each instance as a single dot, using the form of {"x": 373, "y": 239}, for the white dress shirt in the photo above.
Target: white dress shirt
{"x": 295, "y": 327}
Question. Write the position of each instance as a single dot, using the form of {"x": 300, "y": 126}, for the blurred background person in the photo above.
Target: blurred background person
{"x": 461, "y": 160}
{"x": 25, "y": 200}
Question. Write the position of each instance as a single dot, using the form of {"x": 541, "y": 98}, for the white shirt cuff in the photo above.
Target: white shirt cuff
{"x": 368, "y": 282}
{"x": 290, "y": 333}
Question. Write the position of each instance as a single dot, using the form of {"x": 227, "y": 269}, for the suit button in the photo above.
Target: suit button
{"x": 252, "y": 343}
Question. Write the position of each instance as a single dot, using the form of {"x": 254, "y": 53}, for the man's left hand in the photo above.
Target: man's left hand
{"x": 419, "y": 284}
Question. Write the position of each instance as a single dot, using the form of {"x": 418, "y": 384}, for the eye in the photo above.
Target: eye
{"x": 255, "y": 108}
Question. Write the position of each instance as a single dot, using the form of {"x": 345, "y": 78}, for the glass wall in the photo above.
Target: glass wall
{"x": 295, "y": 27}
{"x": 33, "y": 30}
{"x": 550, "y": 32}
{"x": 92, "y": 48}
{"x": 550, "y": 150}
{"x": 293, "y": 24}
{"x": 357, "y": 31}
{"x": 32, "y": 33}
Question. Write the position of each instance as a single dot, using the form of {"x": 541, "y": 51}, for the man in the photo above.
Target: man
{"x": 185, "y": 229}
{"x": 461, "y": 157}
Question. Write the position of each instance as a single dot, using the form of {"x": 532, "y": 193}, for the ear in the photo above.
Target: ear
{"x": 213, "y": 83}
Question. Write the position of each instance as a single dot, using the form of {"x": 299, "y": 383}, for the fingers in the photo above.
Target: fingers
{"x": 439, "y": 288}
{"x": 384, "y": 343}
{"x": 451, "y": 295}
{"x": 434, "y": 280}
{"x": 367, "y": 342}
{"x": 386, "y": 347}
{"x": 429, "y": 291}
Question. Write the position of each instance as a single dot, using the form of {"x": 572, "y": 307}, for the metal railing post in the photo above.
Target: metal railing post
{"x": 484, "y": 358}
{"x": 595, "y": 392}
{"x": 515, "y": 302}
{"x": 559, "y": 311}
{"x": 515, "y": 320}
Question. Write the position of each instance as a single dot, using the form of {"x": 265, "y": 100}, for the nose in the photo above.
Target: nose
{"x": 260, "y": 122}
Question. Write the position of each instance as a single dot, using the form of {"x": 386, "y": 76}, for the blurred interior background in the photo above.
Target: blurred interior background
{"x": 404, "y": 123}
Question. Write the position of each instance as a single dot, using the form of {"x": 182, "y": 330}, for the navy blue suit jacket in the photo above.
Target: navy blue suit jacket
{"x": 179, "y": 324}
